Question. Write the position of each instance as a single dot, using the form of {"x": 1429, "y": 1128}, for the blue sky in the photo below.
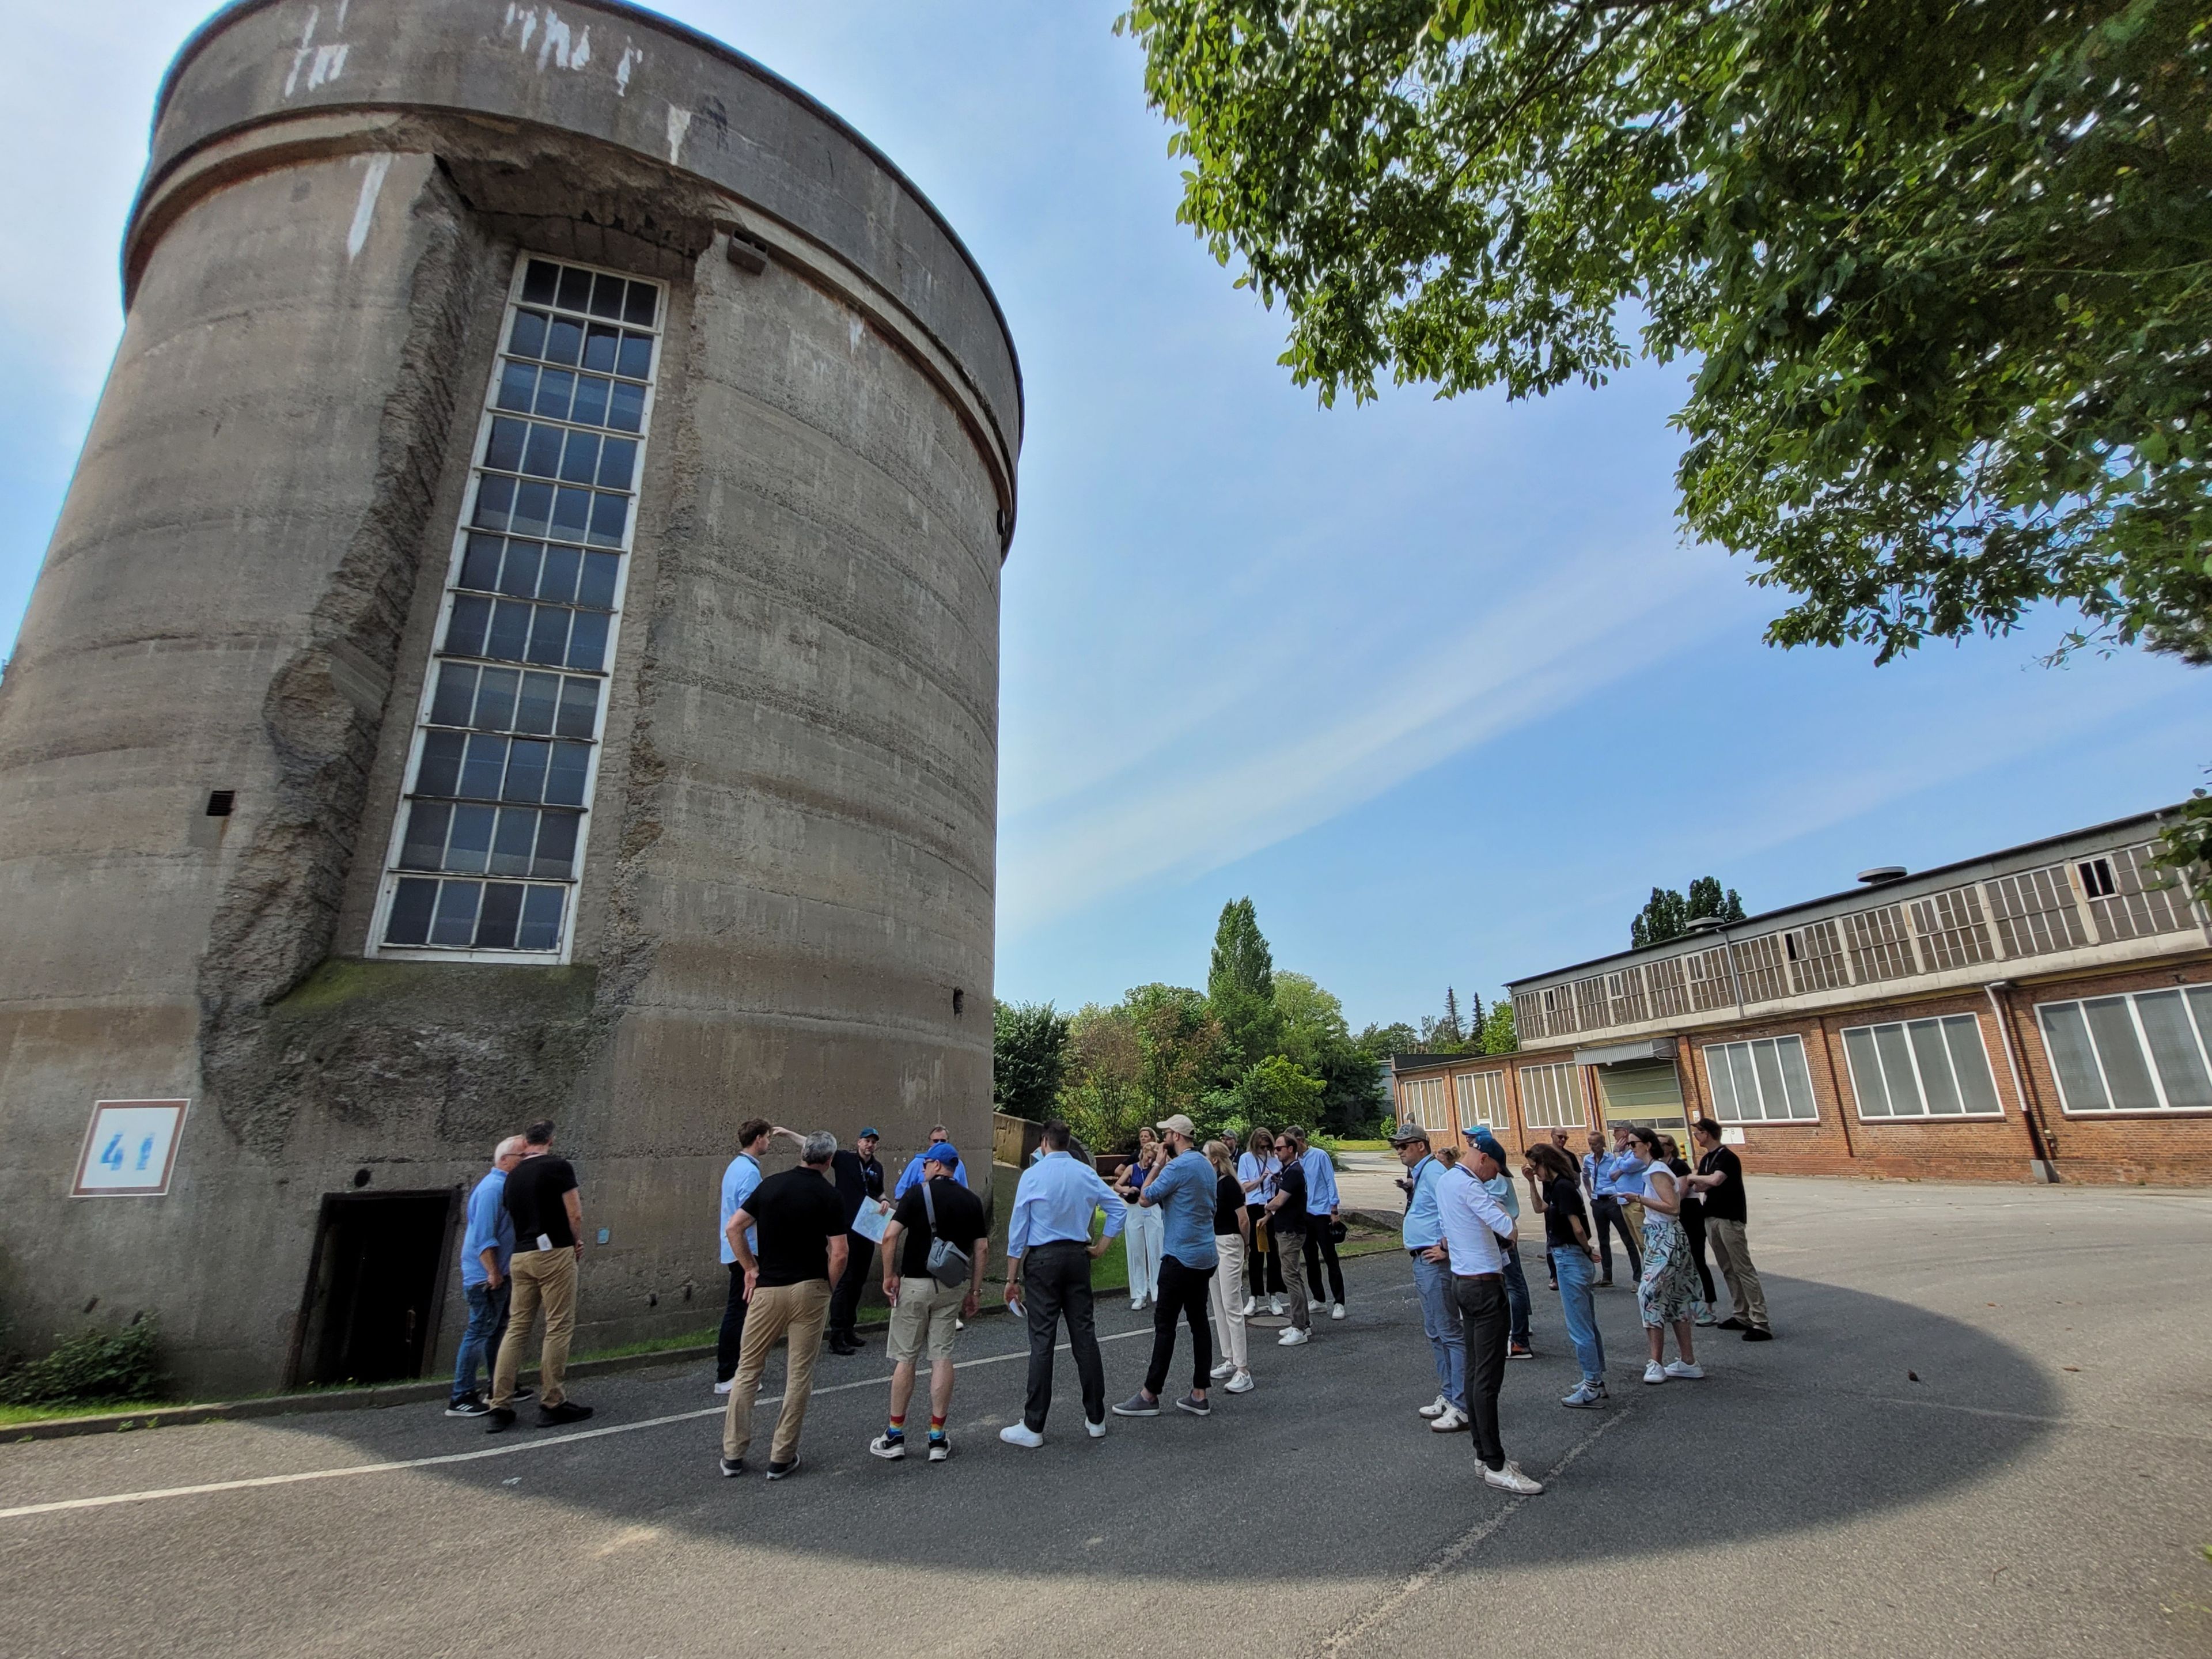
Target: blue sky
{"x": 1436, "y": 683}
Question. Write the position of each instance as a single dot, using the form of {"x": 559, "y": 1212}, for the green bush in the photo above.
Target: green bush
{"x": 88, "y": 1368}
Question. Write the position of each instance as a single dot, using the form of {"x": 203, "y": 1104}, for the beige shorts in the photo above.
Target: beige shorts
{"x": 925, "y": 1317}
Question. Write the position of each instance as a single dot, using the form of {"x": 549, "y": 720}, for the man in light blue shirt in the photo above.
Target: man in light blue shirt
{"x": 739, "y": 1182}
{"x": 1517, "y": 1282}
{"x": 486, "y": 1246}
{"x": 910, "y": 1177}
{"x": 1321, "y": 1224}
{"x": 1048, "y": 1255}
{"x": 1185, "y": 1192}
{"x": 1476, "y": 1231}
{"x": 1614, "y": 1175}
{"x": 1432, "y": 1280}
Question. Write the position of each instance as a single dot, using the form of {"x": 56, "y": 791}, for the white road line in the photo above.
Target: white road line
{"x": 535, "y": 1443}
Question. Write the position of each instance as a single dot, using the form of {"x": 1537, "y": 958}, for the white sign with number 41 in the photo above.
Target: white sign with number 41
{"x": 129, "y": 1149}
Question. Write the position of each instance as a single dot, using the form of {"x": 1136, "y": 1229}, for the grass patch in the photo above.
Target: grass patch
{"x": 653, "y": 1345}
{"x": 15, "y": 1416}
{"x": 1362, "y": 1145}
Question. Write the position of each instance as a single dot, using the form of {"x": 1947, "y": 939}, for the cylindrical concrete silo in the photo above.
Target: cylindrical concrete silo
{"x": 521, "y": 640}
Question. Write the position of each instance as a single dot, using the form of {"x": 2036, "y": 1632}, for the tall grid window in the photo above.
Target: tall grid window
{"x": 1624, "y": 991}
{"x": 1550, "y": 1098}
{"x": 490, "y": 839}
{"x": 2035, "y": 912}
{"x": 2150, "y": 1052}
{"x": 1423, "y": 1099}
{"x": 1759, "y": 964}
{"x": 1922, "y": 1068}
{"x": 1816, "y": 956}
{"x": 1529, "y": 1014}
{"x": 1481, "y": 1099}
{"x": 1880, "y": 943}
{"x": 2131, "y": 897}
{"x": 1670, "y": 992}
{"x": 1711, "y": 986}
{"x": 1759, "y": 1082}
{"x": 1950, "y": 927}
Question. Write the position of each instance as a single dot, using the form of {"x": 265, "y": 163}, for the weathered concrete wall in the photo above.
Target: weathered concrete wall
{"x": 789, "y": 883}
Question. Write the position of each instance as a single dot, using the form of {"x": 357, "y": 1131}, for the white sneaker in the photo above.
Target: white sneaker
{"x": 1240, "y": 1384}
{"x": 1251, "y": 1306}
{"x": 1436, "y": 1407}
{"x": 1688, "y": 1372}
{"x": 1096, "y": 1431}
{"x": 1226, "y": 1368}
{"x": 724, "y": 1387}
{"x": 1448, "y": 1421}
{"x": 1510, "y": 1478}
{"x": 1135, "y": 1302}
{"x": 1021, "y": 1434}
{"x": 1315, "y": 1305}
{"x": 1654, "y": 1372}
{"x": 1276, "y": 1306}
{"x": 1336, "y": 1311}
{"x": 1294, "y": 1337}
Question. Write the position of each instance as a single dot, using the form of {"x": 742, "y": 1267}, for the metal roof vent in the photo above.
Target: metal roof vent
{"x": 1701, "y": 925}
{"x": 1882, "y": 872}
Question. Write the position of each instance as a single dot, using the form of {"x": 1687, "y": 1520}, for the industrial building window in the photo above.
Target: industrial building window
{"x": 1816, "y": 956}
{"x": 1922, "y": 1068}
{"x": 1481, "y": 1099}
{"x": 1529, "y": 1014}
{"x": 2130, "y": 897}
{"x": 1671, "y": 993}
{"x": 489, "y": 841}
{"x": 1759, "y": 964}
{"x": 1949, "y": 924}
{"x": 1761, "y": 1082}
{"x": 1623, "y": 991}
{"x": 1550, "y": 1098}
{"x": 1424, "y": 1101}
{"x": 1882, "y": 943}
{"x": 2150, "y": 1052}
{"x": 1710, "y": 985}
{"x": 2035, "y": 912}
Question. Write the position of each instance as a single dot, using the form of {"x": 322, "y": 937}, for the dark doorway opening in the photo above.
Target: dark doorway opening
{"x": 375, "y": 1287}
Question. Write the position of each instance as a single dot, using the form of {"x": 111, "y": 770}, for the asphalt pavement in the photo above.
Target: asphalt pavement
{"x": 1982, "y": 1429}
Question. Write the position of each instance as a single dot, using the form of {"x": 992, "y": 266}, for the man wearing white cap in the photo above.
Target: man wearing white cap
{"x": 1183, "y": 1192}
{"x": 1476, "y": 1229}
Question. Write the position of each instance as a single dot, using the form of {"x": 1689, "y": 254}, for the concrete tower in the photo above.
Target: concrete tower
{"x": 521, "y": 640}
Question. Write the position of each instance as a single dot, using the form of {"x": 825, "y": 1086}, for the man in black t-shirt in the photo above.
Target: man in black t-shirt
{"x": 924, "y": 1311}
{"x": 860, "y": 1178}
{"x": 1718, "y": 1185}
{"x": 1286, "y": 1227}
{"x": 548, "y": 1215}
{"x": 801, "y": 1222}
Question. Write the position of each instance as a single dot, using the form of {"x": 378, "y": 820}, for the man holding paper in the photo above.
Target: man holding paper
{"x": 859, "y": 1180}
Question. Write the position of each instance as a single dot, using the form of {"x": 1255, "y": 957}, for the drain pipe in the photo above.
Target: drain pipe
{"x": 2046, "y": 1160}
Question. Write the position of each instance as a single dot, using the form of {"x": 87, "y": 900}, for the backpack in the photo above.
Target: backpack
{"x": 949, "y": 1265}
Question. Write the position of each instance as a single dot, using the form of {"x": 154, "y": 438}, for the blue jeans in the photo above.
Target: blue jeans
{"x": 1516, "y": 1296}
{"x": 1580, "y": 1310}
{"x": 480, "y": 1342}
{"x": 1440, "y": 1323}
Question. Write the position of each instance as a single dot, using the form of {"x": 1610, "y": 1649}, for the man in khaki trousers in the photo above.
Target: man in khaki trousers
{"x": 541, "y": 1199}
{"x": 801, "y": 1226}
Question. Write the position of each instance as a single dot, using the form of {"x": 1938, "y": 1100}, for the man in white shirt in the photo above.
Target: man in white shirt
{"x": 1476, "y": 1231}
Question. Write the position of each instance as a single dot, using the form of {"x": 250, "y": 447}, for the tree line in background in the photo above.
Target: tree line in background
{"x": 1668, "y": 914}
{"x": 1257, "y": 1046}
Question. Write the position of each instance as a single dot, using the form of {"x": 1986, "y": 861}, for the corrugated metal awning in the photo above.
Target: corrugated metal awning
{"x": 1621, "y": 1052}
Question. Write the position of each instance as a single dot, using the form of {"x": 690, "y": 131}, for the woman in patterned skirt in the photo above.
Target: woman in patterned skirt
{"x": 1669, "y": 1284}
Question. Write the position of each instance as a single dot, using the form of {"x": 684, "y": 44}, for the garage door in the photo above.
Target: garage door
{"x": 1646, "y": 1092}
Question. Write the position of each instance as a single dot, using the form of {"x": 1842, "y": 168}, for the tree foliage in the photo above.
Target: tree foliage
{"x": 2185, "y": 846}
{"x": 1240, "y": 988}
{"x": 1029, "y": 1058}
{"x": 1668, "y": 914}
{"x": 1944, "y": 268}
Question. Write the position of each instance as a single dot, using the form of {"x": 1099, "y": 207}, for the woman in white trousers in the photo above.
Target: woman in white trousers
{"x": 1232, "y": 1227}
{"x": 1146, "y": 1233}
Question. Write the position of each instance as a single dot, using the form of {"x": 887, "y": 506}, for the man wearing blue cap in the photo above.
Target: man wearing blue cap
{"x": 1517, "y": 1282}
{"x": 926, "y": 1310}
{"x": 860, "y": 1178}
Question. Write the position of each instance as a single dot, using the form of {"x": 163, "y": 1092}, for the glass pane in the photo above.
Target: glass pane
{"x": 564, "y": 342}
{"x": 580, "y": 708}
{"x": 510, "y": 631}
{"x": 502, "y": 908}
{"x": 541, "y": 920}
{"x": 548, "y": 634}
{"x": 579, "y": 461}
{"x": 2200, "y": 1002}
{"x": 1775, "y": 1099}
{"x": 464, "y": 631}
{"x": 597, "y": 589}
{"x": 496, "y": 699}
{"x": 1866, "y": 1072}
{"x": 591, "y": 400}
{"x": 1970, "y": 1064}
{"x": 643, "y": 297}
{"x": 457, "y": 691}
{"x": 2066, "y": 1037}
{"x": 519, "y": 575}
{"x": 493, "y": 497}
{"x": 636, "y": 356}
{"x": 610, "y": 518}
{"x": 425, "y": 848}
{"x": 470, "y": 843}
{"x": 1926, "y": 1036}
{"x": 2126, "y": 1073}
{"x": 539, "y": 279}
{"x": 556, "y": 846}
{"x": 503, "y": 449}
{"x": 541, "y": 451}
{"x": 588, "y": 646}
{"x": 527, "y": 338}
{"x": 564, "y": 784}
{"x": 480, "y": 564}
{"x": 511, "y": 844}
{"x": 569, "y": 514}
{"x": 1717, "y": 1084}
{"x": 1896, "y": 1053}
{"x": 441, "y": 769}
{"x": 626, "y": 408}
{"x": 557, "y": 581}
{"x": 2173, "y": 1050}
{"x": 1746, "y": 1079}
{"x": 600, "y": 345}
{"x": 554, "y": 391}
{"x": 1796, "y": 1077}
{"x": 526, "y": 771}
{"x": 409, "y": 921}
{"x": 455, "y": 922}
{"x": 535, "y": 713}
{"x": 575, "y": 289}
{"x": 617, "y": 464}
{"x": 517, "y": 383}
{"x": 533, "y": 510}
{"x": 607, "y": 295}
{"x": 482, "y": 769}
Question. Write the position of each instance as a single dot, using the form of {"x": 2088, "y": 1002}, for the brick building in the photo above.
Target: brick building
{"x": 2042, "y": 1012}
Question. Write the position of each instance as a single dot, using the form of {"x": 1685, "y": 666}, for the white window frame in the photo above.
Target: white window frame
{"x": 1426, "y": 1103}
{"x": 389, "y": 877}
{"x": 1780, "y": 1044}
{"x": 1487, "y": 1112}
{"x": 2198, "y": 1028}
{"x": 1919, "y": 1082}
{"x": 1561, "y": 1089}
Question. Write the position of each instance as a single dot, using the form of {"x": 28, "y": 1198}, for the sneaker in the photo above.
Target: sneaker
{"x": 468, "y": 1406}
{"x": 1585, "y": 1398}
{"x": 1449, "y": 1420}
{"x": 732, "y": 1467}
{"x": 498, "y": 1419}
{"x": 889, "y": 1446}
{"x": 1240, "y": 1384}
{"x": 1654, "y": 1372}
{"x": 552, "y": 1417}
{"x": 1759, "y": 1334}
{"x": 939, "y": 1448}
{"x": 1276, "y": 1306}
{"x": 1732, "y": 1324}
{"x": 782, "y": 1471}
{"x": 1135, "y": 1303}
{"x": 1294, "y": 1338}
{"x": 1096, "y": 1431}
{"x": 1224, "y": 1369}
{"x": 1336, "y": 1310}
{"x": 1686, "y": 1371}
{"x": 1313, "y": 1304}
{"x": 726, "y": 1385}
{"x": 958, "y": 1324}
{"x": 1436, "y": 1407}
{"x": 1251, "y": 1306}
{"x": 1197, "y": 1407}
{"x": 1605, "y": 1283}
{"x": 1520, "y": 1350}
{"x": 1510, "y": 1478}
{"x": 521, "y": 1394}
{"x": 1137, "y": 1405}
{"x": 1021, "y": 1434}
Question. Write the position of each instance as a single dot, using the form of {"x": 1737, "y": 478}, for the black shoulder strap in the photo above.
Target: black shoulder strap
{"x": 929, "y": 1206}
